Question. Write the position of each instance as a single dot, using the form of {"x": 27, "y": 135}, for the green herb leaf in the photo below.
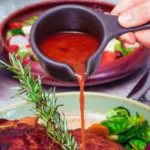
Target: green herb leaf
{"x": 45, "y": 105}
{"x": 137, "y": 144}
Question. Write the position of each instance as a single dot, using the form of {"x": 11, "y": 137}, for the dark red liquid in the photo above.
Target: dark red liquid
{"x": 74, "y": 49}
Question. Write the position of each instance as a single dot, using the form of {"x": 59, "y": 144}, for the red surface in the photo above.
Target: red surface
{"x": 13, "y": 48}
{"x": 105, "y": 73}
{"x": 14, "y": 25}
{"x": 108, "y": 57}
{"x": 73, "y": 49}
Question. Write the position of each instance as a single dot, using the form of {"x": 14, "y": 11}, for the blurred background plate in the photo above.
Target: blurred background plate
{"x": 9, "y": 6}
{"x": 113, "y": 71}
{"x": 121, "y": 87}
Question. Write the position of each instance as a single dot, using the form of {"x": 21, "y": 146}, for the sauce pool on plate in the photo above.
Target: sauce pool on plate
{"x": 74, "y": 49}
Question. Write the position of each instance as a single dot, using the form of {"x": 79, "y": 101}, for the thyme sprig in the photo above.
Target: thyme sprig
{"x": 45, "y": 105}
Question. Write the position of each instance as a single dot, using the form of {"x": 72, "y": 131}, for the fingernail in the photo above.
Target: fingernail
{"x": 125, "y": 19}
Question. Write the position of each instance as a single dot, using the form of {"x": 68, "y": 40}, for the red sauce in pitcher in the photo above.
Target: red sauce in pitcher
{"x": 74, "y": 49}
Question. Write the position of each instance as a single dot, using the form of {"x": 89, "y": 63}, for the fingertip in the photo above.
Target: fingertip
{"x": 114, "y": 12}
{"x": 125, "y": 19}
{"x": 128, "y": 38}
{"x": 143, "y": 37}
{"x": 131, "y": 38}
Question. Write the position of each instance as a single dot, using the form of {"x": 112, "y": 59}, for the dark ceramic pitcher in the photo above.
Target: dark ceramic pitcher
{"x": 75, "y": 18}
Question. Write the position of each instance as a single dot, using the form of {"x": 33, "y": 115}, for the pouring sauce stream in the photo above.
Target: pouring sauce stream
{"x": 74, "y": 49}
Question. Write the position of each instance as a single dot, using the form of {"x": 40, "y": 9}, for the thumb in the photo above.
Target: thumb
{"x": 136, "y": 16}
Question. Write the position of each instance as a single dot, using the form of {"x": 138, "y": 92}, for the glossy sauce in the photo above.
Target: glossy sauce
{"x": 74, "y": 49}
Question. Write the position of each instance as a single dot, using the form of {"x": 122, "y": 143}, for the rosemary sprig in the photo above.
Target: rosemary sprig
{"x": 45, "y": 105}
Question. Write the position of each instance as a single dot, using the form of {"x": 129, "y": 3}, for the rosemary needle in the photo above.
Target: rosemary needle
{"x": 45, "y": 105}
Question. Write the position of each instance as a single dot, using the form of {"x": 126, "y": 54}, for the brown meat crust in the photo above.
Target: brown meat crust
{"x": 25, "y": 137}
{"x": 94, "y": 142}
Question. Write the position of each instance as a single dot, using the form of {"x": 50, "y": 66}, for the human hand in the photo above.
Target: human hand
{"x": 133, "y": 13}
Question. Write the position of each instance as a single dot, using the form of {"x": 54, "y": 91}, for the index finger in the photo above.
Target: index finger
{"x": 125, "y": 5}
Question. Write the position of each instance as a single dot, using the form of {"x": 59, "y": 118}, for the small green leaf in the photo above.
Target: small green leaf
{"x": 137, "y": 144}
{"x": 45, "y": 106}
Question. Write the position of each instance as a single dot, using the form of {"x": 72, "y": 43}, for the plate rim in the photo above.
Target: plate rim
{"x": 113, "y": 97}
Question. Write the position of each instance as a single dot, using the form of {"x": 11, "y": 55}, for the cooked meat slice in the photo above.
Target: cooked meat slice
{"x": 25, "y": 137}
{"x": 2, "y": 121}
{"x": 95, "y": 142}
